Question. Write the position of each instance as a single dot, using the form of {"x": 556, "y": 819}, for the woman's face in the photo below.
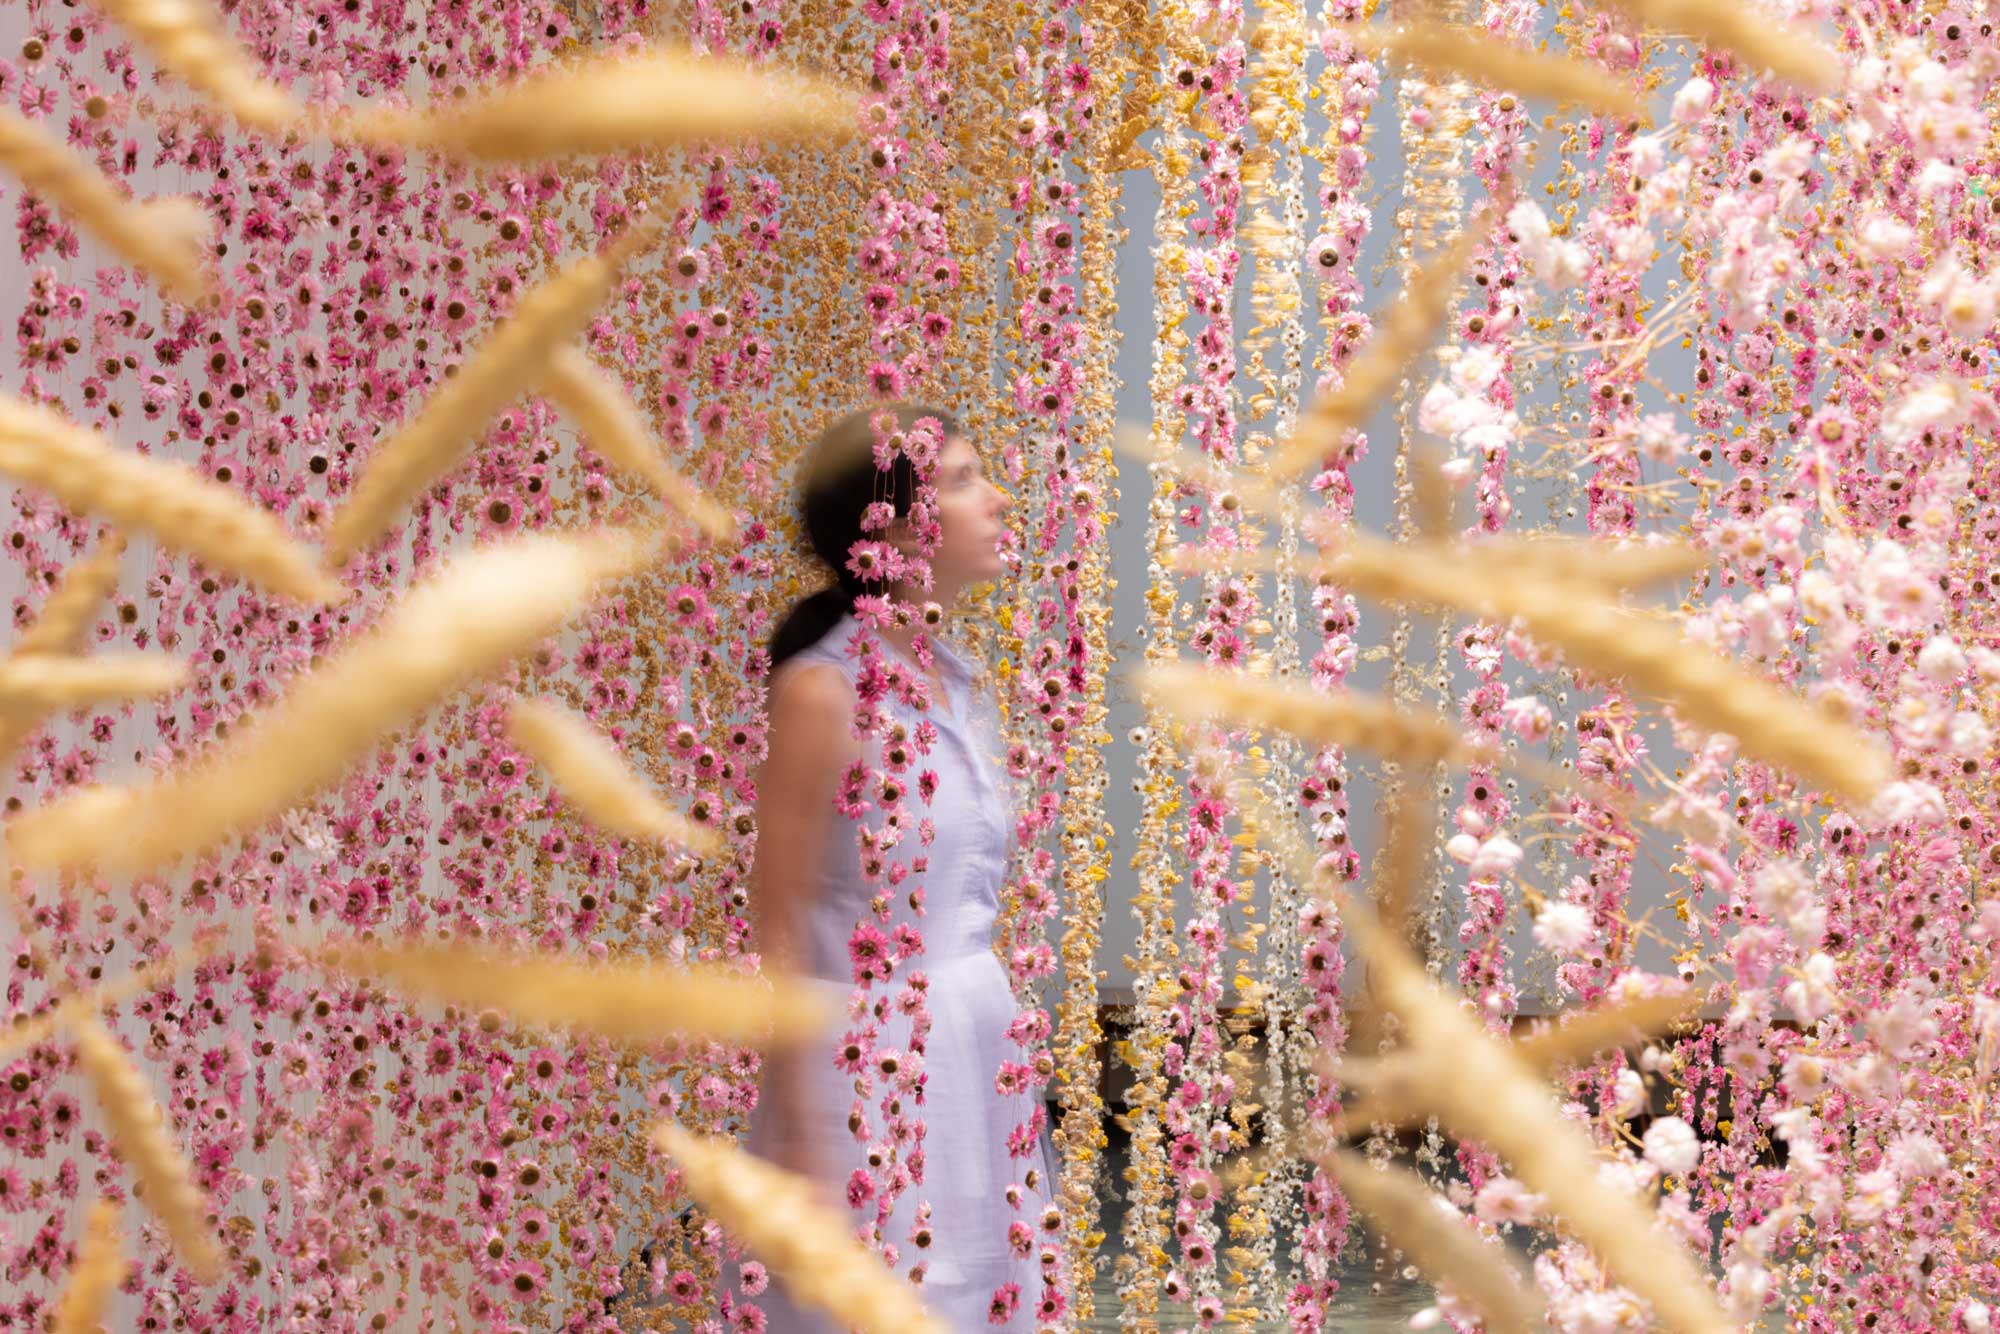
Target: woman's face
{"x": 972, "y": 516}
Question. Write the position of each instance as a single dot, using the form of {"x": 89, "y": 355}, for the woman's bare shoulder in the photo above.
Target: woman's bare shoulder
{"x": 812, "y": 701}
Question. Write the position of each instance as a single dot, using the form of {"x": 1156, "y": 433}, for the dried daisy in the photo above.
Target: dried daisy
{"x": 1788, "y": 50}
{"x": 462, "y": 623}
{"x": 1440, "y": 49}
{"x": 1405, "y": 330}
{"x": 590, "y": 772}
{"x": 1438, "y": 1240}
{"x": 95, "y": 1276}
{"x": 1346, "y": 718}
{"x": 38, "y": 684}
{"x": 163, "y": 237}
{"x": 139, "y": 1129}
{"x": 808, "y": 1246}
{"x": 1582, "y": 1034}
{"x": 171, "y": 501}
{"x": 1768, "y": 721}
{"x": 512, "y": 357}
{"x": 625, "y": 1001}
{"x": 188, "y": 39}
{"x": 611, "y": 426}
{"x": 63, "y": 622}
{"x": 615, "y": 103}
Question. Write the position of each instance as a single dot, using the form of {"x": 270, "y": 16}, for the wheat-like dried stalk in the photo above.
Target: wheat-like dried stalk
{"x": 589, "y": 770}
{"x": 63, "y": 623}
{"x": 625, "y": 1001}
{"x": 171, "y": 501}
{"x": 139, "y": 1129}
{"x": 1439, "y": 1241}
{"x": 1481, "y": 1090}
{"x": 1438, "y": 48}
{"x": 807, "y": 1245}
{"x": 1405, "y": 330}
{"x": 611, "y": 426}
{"x": 43, "y": 683}
{"x": 615, "y": 103}
{"x": 1787, "y": 49}
{"x": 163, "y": 238}
{"x": 1769, "y": 722}
{"x": 462, "y": 623}
{"x": 1347, "y": 718}
{"x": 511, "y": 359}
{"x": 188, "y": 39}
{"x": 95, "y": 1276}
{"x": 1582, "y": 1034}
{"x": 1601, "y": 566}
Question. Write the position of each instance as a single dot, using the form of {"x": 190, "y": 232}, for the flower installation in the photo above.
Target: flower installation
{"x": 1568, "y": 539}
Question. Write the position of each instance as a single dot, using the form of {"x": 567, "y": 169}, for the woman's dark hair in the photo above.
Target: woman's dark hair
{"x": 838, "y": 481}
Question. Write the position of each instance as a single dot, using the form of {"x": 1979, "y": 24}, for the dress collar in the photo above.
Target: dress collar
{"x": 951, "y": 659}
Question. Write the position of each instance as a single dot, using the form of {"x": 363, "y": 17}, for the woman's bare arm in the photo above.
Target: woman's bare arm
{"x": 809, "y": 746}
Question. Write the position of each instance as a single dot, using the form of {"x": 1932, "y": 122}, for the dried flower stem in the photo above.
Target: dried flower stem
{"x": 625, "y": 1001}
{"x": 806, "y": 1245}
{"x": 95, "y": 1276}
{"x": 1768, "y": 721}
{"x": 169, "y": 500}
{"x": 138, "y": 1127}
{"x": 1788, "y": 50}
{"x": 616, "y": 103}
{"x": 463, "y": 623}
{"x": 1406, "y": 329}
{"x": 514, "y": 355}
{"x": 611, "y": 426}
{"x": 41, "y": 683}
{"x": 188, "y": 39}
{"x": 162, "y": 237}
{"x": 590, "y": 772}
{"x": 1438, "y": 1240}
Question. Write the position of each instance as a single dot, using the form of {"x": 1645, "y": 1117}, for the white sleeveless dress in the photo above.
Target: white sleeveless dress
{"x": 967, "y": 1163}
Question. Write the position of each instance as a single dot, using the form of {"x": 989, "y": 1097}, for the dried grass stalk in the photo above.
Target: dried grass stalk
{"x": 1582, "y": 1034}
{"x": 1480, "y": 1089}
{"x": 1438, "y": 48}
{"x": 615, "y": 103}
{"x": 174, "y": 503}
{"x": 511, "y": 359}
{"x": 1605, "y": 567}
{"x": 625, "y": 1001}
{"x": 1787, "y": 49}
{"x": 41, "y": 683}
{"x": 1768, "y": 721}
{"x": 1347, "y": 718}
{"x": 139, "y": 1129}
{"x": 589, "y": 770}
{"x": 464, "y": 622}
{"x": 188, "y": 39}
{"x": 96, "y": 1275}
{"x": 808, "y": 1246}
{"x": 611, "y": 426}
{"x": 63, "y": 623}
{"x": 1406, "y": 329}
{"x": 163, "y": 238}
{"x": 1439, "y": 1241}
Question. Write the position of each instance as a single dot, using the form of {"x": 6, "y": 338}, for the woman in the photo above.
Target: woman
{"x": 807, "y": 892}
